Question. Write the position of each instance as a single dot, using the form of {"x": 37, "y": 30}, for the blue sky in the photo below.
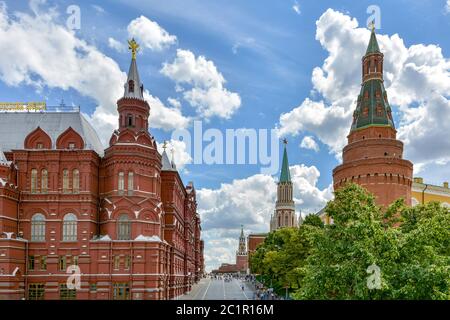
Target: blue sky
{"x": 265, "y": 52}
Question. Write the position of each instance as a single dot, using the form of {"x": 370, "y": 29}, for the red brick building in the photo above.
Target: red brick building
{"x": 373, "y": 155}
{"x": 122, "y": 215}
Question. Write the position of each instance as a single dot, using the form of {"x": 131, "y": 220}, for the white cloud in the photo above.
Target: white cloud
{"x": 177, "y": 150}
{"x": 149, "y": 34}
{"x": 174, "y": 102}
{"x": 163, "y": 117}
{"x": 116, "y": 45}
{"x": 296, "y": 8}
{"x": 415, "y": 75}
{"x": 98, "y": 9}
{"x": 207, "y": 95}
{"x": 308, "y": 142}
{"x": 46, "y": 54}
{"x": 251, "y": 201}
{"x": 447, "y": 6}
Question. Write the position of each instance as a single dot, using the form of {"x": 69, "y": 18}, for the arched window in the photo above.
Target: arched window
{"x": 38, "y": 227}
{"x": 129, "y": 120}
{"x": 65, "y": 181}
{"x": 70, "y": 227}
{"x": 44, "y": 181}
{"x": 76, "y": 181}
{"x": 131, "y": 86}
{"x": 130, "y": 183}
{"x": 121, "y": 183}
{"x": 34, "y": 181}
{"x": 124, "y": 228}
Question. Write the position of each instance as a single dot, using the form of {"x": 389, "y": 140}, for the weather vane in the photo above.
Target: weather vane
{"x": 134, "y": 47}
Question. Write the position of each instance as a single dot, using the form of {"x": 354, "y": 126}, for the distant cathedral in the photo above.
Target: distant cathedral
{"x": 284, "y": 215}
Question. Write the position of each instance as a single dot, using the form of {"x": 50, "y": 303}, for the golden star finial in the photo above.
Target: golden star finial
{"x": 134, "y": 47}
{"x": 372, "y": 26}
{"x": 285, "y": 141}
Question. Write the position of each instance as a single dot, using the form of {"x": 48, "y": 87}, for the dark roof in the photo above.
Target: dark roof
{"x": 285, "y": 175}
{"x": 15, "y": 127}
{"x": 372, "y": 106}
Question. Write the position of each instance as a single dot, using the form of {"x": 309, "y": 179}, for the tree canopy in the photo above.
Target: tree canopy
{"x": 367, "y": 253}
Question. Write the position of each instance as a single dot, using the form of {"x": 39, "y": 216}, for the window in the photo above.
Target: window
{"x": 43, "y": 263}
{"x": 286, "y": 221}
{"x": 38, "y": 227}
{"x": 70, "y": 227}
{"x": 75, "y": 260}
{"x": 131, "y": 86}
{"x": 93, "y": 287}
{"x": 34, "y": 181}
{"x": 65, "y": 293}
{"x": 44, "y": 181}
{"x": 121, "y": 291}
{"x": 62, "y": 263}
{"x": 66, "y": 181}
{"x": 121, "y": 186}
{"x": 30, "y": 262}
{"x": 127, "y": 262}
{"x": 76, "y": 181}
{"x": 129, "y": 120}
{"x": 71, "y": 146}
{"x": 36, "y": 291}
{"x": 116, "y": 262}
{"x": 130, "y": 183}
{"x": 124, "y": 228}
{"x": 39, "y": 146}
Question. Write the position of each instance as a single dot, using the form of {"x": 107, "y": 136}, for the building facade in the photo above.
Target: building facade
{"x": 424, "y": 192}
{"x": 122, "y": 215}
{"x": 373, "y": 157}
{"x": 284, "y": 214}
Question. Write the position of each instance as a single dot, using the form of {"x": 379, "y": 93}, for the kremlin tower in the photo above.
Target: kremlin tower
{"x": 284, "y": 215}
{"x": 372, "y": 157}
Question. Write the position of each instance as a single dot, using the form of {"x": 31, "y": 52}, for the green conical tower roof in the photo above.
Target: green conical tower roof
{"x": 285, "y": 175}
{"x": 372, "y": 106}
{"x": 373, "y": 43}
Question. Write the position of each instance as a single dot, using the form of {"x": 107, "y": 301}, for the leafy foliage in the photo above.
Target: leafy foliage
{"x": 411, "y": 247}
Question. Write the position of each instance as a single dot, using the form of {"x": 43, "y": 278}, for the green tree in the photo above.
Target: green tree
{"x": 409, "y": 245}
{"x": 280, "y": 259}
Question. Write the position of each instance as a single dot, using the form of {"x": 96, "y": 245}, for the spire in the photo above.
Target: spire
{"x": 3, "y": 160}
{"x": 373, "y": 43}
{"x": 166, "y": 164}
{"x": 242, "y": 231}
{"x": 372, "y": 108}
{"x": 133, "y": 87}
{"x": 285, "y": 175}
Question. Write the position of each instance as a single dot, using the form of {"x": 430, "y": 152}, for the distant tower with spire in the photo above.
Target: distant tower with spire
{"x": 284, "y": 215}
{"x": 241, "y": 253}
{"x": 373, "y": 157}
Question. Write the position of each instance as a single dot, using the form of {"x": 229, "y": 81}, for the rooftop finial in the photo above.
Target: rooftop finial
{"x": 134, "y": 47}
{"x": 165, "y": 145}
{"x": 285, "y": 141}
{"x": 372, "y": 26}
